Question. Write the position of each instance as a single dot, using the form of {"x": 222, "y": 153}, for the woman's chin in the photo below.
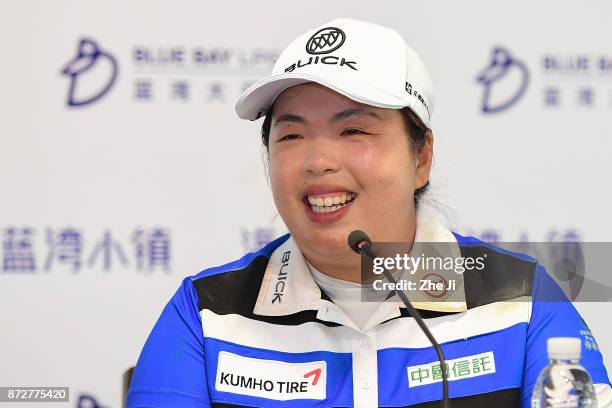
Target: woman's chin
{"x": 328, "y": 243}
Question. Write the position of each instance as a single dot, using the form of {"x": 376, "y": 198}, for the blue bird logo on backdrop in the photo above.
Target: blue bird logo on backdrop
{"x": 88, "y": 401}
{"x": 92, "y": 73}
{"x": 505, "y": 81}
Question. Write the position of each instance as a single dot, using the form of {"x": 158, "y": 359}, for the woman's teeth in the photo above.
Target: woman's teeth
{"x": 330, "y": 204}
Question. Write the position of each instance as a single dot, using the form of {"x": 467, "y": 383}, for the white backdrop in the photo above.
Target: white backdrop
{"x": 107, "y": 205}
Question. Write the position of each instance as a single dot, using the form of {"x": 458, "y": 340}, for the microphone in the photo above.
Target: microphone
{"x": 361, "y": 243}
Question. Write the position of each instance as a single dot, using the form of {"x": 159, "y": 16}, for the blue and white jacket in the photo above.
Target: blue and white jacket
{"x": 259, "y": 332}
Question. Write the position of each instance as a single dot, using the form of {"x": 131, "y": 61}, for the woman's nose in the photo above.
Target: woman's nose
{"x": 322, "y": 156}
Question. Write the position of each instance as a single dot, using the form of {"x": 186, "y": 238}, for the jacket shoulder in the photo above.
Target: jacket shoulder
{"x": 506, "y": 274}
{"x": 234, "y": 286}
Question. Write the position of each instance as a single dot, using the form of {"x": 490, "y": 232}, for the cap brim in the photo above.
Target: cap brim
{"x": 257, "y": 98}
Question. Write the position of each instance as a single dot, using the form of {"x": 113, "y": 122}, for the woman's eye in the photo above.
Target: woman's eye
{"x": 289, "y": 137}
{"x": 351, "y": 131}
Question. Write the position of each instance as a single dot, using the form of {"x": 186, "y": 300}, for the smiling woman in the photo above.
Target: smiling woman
{"x": 323, "y": 148}
{"x": 348, "y": 135}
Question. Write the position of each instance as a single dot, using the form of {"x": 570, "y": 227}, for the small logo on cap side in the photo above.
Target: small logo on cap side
{"x": 325, "y": 40}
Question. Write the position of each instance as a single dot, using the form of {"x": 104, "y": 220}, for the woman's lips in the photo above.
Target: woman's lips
{"x": 328, "y": 207}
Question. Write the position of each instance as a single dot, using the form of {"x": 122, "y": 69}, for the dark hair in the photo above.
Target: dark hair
{"x": 416, "y": 129}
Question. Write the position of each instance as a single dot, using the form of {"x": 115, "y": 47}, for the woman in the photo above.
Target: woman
{"x": 347, "y": 131}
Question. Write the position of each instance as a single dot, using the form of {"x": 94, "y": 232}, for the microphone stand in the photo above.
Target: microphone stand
{"x": 361, "y": 243}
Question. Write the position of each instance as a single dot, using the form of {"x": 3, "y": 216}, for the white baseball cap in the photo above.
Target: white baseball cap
{"x": 366, "y": 62}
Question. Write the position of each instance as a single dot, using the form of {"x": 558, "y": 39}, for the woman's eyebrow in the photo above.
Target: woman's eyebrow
{"x": 354, "y": 112}
{"x": 289, "y": 117}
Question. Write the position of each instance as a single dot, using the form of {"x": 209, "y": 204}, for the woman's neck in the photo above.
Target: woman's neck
{"x": 347, "y": 267}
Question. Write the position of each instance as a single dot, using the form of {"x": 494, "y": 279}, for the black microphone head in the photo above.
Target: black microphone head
{"x": 356, "y": 239}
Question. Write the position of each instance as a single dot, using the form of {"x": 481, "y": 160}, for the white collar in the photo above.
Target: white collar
{"x": 288, "y": 286}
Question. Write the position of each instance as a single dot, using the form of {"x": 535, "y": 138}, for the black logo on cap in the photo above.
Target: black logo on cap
{"x": 325, "y": 40}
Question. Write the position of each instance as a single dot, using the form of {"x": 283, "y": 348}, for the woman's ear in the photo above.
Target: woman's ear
{"x": 424, "y": 158}
{"x": 265, "y": 159}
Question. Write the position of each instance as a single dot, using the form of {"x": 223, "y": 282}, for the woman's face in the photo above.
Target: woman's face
{"x": 337, "y": 165}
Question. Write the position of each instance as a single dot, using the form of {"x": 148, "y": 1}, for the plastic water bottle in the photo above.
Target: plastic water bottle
{"x": 564, "y": 383}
